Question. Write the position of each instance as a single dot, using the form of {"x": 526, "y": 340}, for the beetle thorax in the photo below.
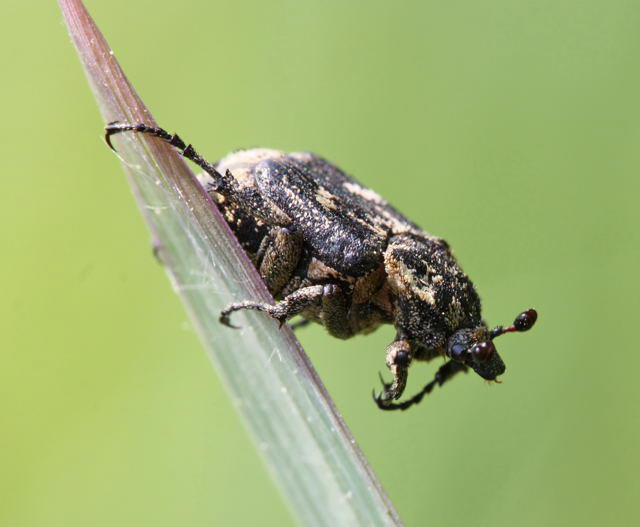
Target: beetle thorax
{"x": 433, "y": 297}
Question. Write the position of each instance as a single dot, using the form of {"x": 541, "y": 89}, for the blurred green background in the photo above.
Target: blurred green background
{"x": 509, "y": 128}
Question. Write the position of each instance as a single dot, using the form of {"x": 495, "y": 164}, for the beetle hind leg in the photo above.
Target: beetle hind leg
{"x": 223, "y": 182}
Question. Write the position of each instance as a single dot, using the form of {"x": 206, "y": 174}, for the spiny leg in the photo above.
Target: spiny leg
{"x": 335, "y": 313}
{"x": 224, "y": 184}
{"x": 446, "y": 372}
{"x": 398, "y": 361}
{"x": 173, "y": 139}
{"x": 288, "y": 307}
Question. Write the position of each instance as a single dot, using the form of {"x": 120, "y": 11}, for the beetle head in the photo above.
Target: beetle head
{"x": 475, "y": 349}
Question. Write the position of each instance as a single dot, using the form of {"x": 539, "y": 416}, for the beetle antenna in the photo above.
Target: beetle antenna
{"x": 523, "y": 322}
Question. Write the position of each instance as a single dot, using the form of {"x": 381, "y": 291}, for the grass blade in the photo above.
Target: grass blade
{"x": 306, "y": 445}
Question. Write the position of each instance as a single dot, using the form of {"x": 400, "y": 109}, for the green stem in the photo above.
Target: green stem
{"x": 307, "y": 446}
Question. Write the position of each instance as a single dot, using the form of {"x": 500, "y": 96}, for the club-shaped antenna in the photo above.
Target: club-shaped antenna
{"x": 523, "y": 322}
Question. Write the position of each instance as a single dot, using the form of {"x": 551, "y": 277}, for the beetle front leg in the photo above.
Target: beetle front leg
{"x": 288, "y": 307}
{"x": 398, "y": 360}
{"x": 446, "y": 372}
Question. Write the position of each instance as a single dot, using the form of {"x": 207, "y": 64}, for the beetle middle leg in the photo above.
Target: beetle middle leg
{"x": 278, "y": 257}
{"x": 290, "y": 306}
{"x": 335, "y": 305}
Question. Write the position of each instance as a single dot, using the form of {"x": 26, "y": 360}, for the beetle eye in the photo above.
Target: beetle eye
{"x": 482, "y": 351}
{"x": 458, "y": 352}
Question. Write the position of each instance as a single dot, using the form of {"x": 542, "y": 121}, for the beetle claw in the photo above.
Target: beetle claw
{"x": 225, "y": 320}
{"x": 385, "y": 385}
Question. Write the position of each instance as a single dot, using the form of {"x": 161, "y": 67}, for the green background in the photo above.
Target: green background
{"x": 509, "y": 128}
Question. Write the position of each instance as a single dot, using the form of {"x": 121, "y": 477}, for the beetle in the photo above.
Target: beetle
{"x": 336, "y": 253}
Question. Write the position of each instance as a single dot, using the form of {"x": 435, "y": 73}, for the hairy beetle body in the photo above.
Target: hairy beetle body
{"x": 386, "y": 266}
{"x": 338, "y": 254}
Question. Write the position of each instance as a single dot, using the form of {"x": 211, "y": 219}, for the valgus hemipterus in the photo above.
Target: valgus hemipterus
{"x": 336, "y": 253}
